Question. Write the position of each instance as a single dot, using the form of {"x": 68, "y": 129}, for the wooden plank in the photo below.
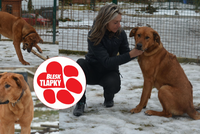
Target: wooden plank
{"x": 51, "y": 126}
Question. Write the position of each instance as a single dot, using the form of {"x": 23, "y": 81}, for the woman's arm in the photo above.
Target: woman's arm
{"x": 135, "y": 52}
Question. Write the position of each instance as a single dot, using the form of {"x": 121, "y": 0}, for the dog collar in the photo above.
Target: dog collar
{"x": 27, "y": 35}
{"x": 6, "y": 102}
{"x": 154, "y": 51}
{"x": 13, "y": 104}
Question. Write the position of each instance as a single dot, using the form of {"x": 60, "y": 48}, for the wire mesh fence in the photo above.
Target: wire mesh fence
{"x": 176, "y": 21}
{"x": 38, "y": 13}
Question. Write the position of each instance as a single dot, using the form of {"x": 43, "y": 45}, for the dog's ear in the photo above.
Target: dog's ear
{"x": 19, "y": 79}
{"x": 40, "y": 40}
{"x": 1, "y": 74}
{"x": 156, "y": 37}
{"x": 133, "y": 31}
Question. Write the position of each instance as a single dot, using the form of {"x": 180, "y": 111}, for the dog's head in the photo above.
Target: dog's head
{"x": 146, "y": 38}
{"x": 30, "y": 41}
{"x": 11, "y": 86}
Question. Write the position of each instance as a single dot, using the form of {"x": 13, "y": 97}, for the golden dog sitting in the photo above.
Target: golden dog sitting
{"x": 162, "y": 70}
{"x": 16, "y": 104}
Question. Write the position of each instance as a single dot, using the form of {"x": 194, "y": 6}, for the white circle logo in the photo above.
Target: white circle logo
{"x": 59, "y": 82}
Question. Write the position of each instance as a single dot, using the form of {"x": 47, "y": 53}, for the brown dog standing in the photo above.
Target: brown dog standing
{"x": 15, "y": 91}
{"x": 161, "y": 70}
{"x": 19, "y": 31}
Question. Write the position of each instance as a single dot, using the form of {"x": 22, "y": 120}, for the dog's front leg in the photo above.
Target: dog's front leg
{"x": 19, "y": 53}
{"x": 7, "y": 128}
{"x": 38, "y": 48}
{"x": 25, "y": 121}
{"x": 146, "y": 93}
{"x": 25, "y": 130}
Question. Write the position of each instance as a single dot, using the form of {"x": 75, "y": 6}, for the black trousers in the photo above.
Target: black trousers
{"x": 109, "y": 80}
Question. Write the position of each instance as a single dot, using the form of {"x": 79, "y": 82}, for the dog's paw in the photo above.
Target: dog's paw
{"x": 25, "y": 63}
{"x": 148, "y": 112}
{"x": 40, "y": 50}
{"x": 135, "y": 110}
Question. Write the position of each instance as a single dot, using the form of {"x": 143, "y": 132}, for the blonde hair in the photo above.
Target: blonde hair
{"x": 105, "y": 15}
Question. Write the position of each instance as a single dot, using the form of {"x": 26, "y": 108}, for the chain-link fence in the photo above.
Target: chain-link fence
{"x": 177, "y": 22}
{"x": 38, "y": 13}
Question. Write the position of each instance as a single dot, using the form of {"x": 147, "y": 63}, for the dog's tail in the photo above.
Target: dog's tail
{"x": 193, "y": 113}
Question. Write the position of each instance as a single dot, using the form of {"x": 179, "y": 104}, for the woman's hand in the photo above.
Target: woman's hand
{"x": 135, "y": 52}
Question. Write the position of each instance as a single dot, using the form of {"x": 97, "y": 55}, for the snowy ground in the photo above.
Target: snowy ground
{"x": 118, "y": 119}
{"x": 8, "y": 56}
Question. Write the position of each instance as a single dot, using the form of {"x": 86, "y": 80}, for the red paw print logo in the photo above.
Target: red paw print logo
{"x": 59, "y": 82}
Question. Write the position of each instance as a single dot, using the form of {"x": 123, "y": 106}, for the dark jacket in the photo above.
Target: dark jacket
{"x": 104, "y": 55}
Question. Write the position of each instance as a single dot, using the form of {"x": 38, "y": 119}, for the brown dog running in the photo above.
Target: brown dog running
{"x": 16, "y": 104}
{"x": 162, "y": 70}
{"x": 19, "y": 31}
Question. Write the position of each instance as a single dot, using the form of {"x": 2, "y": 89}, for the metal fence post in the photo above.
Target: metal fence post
{"x": 114, "y": 1}
{"x": 54, "y": 21}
